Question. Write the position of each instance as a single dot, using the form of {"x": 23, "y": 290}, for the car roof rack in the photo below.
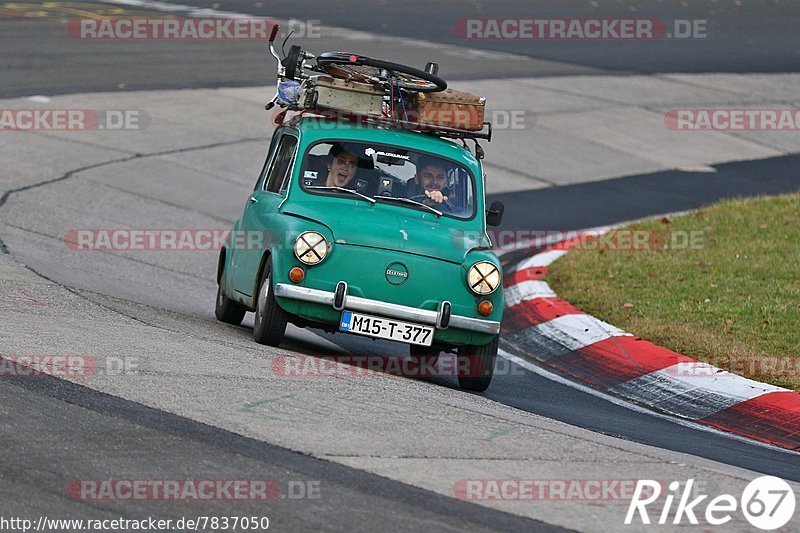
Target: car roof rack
{"x": 388, "y": 123}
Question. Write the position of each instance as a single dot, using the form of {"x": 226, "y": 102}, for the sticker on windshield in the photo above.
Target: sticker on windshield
{"x": 371, "y": 151}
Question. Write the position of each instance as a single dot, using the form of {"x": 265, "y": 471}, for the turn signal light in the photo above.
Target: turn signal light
{"x": 485, "y": 308}
{"x": 297, "y": 274}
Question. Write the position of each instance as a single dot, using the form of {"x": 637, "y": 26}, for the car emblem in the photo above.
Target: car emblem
{"x": 396, "y": 273}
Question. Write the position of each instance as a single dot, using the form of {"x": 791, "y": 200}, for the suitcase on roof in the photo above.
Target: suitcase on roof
{"x": 341, "y": 95}
{"x": 450, "y": 109}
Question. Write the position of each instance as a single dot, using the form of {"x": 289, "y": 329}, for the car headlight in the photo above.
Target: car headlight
{"x": 483, "y": 277}
{"x": 310, "y": 247}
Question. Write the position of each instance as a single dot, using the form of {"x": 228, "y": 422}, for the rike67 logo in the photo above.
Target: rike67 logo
{"x": 767, "y": 503}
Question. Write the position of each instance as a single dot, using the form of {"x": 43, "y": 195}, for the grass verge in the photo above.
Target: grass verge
{"x": 721, "y": 284}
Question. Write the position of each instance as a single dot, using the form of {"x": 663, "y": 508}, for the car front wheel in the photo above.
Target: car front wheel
{"x": 476, "y": 365}
{"x": 270, "y": 319}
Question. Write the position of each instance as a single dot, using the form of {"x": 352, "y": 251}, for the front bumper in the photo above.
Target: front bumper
{"x": 401, "y": 312}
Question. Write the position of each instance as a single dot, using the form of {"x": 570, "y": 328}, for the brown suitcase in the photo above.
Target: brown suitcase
{"x": 450, "y": 109}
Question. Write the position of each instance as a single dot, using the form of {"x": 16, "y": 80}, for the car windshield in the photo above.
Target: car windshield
{"x": 382, "y": 171}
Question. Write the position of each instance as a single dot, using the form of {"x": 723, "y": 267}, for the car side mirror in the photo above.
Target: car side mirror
{"x": 494, "y": 215}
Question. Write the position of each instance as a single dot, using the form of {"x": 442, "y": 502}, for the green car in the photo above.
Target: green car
{"x": 373, "y": 231}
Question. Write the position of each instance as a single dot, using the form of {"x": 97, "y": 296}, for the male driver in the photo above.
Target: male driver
{"x": 432, "y": 177}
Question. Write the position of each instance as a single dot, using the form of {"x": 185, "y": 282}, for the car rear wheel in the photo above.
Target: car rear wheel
{"x": 270, "y": 319}
{"x": 225, "y": 309}
{"x": 476, "y": 365}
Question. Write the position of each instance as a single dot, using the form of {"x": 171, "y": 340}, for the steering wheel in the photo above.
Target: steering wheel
{"x": 445, "y": 206}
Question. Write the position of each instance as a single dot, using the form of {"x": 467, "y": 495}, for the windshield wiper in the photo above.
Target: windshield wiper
{"x": 410, "y": 201}
{"x": 342, "y": 189}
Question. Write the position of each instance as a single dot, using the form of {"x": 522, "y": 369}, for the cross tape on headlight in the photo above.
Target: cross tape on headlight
{"x": 483, "y": 277}
{"x": 310, "y": 247}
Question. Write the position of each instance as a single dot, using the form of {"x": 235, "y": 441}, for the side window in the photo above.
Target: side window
{"x": 277, "y": 178}
{"x": 260, "y": 181}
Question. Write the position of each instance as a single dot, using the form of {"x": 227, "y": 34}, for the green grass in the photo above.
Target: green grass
{"x": 732, "y": 299}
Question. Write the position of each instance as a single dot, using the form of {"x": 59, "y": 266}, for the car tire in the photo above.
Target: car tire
{"x": 476, "y": 365}
{"x": 270, "y": 319}
{"x": 226, "y": 310}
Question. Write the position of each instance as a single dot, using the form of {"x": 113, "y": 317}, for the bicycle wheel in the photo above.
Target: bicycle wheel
{"x": 293, "y": 62}
{"x": 367, "y": 70}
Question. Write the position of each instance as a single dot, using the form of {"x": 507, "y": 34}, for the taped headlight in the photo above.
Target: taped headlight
{"x": 310, "y": 247}
{"x": 483, "y": 278}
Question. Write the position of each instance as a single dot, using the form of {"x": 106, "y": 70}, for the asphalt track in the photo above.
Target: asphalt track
{"x": 104, "y": 429}
{"x": 572, "y": 207}
{"x": 114, "y": 435}
{"x": 741, "y": 37}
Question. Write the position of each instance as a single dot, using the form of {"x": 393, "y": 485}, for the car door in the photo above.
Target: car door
{"x": 255, "y": 228}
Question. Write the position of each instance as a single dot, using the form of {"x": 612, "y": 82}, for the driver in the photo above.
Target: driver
{"x": 432, "y": 177}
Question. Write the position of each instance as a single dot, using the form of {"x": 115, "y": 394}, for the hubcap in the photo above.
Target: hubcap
{"x": 262, "y": 300}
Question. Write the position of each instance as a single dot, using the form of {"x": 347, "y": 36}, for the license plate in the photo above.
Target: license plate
{"x": 386, "y": 328}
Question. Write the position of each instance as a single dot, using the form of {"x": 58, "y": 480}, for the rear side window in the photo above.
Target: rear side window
{"x": 278, "y": 174}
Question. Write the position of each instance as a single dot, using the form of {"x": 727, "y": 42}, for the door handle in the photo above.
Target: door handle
{"x": 253, "y": 200}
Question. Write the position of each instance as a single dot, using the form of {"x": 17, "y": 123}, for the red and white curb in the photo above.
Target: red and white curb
{"x": 540, "y": 326}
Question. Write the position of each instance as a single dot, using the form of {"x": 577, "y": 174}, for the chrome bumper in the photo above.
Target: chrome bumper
{"x": 402, "y": 312}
